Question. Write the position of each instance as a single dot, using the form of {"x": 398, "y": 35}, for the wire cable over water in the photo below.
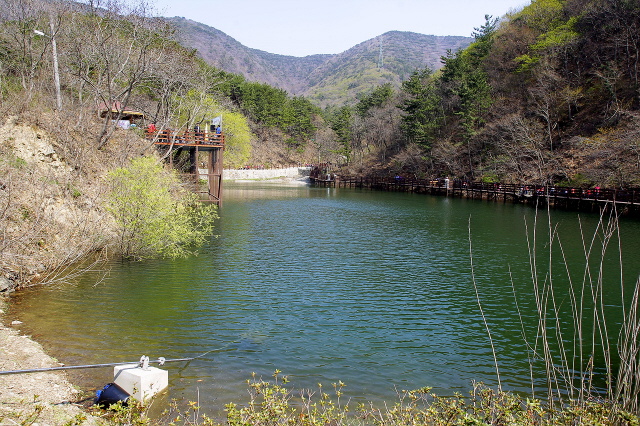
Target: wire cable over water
{"x": 159, "y": 361}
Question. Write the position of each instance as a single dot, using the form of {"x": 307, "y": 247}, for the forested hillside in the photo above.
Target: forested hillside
{"x": 549, "y": 94}
{"x": 327, "y": 80}
{"x": 221, "y": 51}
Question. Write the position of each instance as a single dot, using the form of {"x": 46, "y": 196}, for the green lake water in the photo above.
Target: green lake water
{"x": 371, "y": 288}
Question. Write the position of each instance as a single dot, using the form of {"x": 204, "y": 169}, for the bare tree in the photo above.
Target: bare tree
{"x": 113, "y": 47}
{"x": 520, "y": 149}
{"x": 26, "y": 49}
{"x": 545, "y": 96}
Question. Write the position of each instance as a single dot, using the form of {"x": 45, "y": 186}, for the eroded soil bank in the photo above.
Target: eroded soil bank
{"x": 52, "y": 217}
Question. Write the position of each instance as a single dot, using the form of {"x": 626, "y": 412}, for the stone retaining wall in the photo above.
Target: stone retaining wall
{"x": 254, "y": 174}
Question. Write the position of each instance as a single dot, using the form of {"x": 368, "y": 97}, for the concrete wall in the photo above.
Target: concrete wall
{"x": 290, "y": 172}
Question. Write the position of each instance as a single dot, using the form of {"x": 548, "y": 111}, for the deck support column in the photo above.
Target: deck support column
{"x": 215, "y": 175}
{"x": 193, "y": 159}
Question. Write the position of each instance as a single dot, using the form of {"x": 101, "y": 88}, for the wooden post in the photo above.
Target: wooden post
{"x": 193, "y": 158}
{"x": 215, "y": 175}
{"x": 210, "y": 169}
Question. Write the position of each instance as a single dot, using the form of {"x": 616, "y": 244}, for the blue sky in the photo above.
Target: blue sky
{"x": 304, "y": 27}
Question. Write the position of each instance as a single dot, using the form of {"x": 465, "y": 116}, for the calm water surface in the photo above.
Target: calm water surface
{"x": 374, "y": 289}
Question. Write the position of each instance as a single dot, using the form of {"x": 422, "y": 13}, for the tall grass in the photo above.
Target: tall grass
{"x": 582, "y": 351}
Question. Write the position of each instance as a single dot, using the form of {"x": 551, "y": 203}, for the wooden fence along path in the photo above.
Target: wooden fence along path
{"x": 625, "y": 200}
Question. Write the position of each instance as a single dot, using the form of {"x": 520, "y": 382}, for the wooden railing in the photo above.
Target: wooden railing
{"x": 186, "y": 137}
{"x": 630, "y": 196}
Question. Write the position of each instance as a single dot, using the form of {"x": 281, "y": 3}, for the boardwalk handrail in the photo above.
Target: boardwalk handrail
{"x": 185, "y": 137}
{"x": 629, "y": 196}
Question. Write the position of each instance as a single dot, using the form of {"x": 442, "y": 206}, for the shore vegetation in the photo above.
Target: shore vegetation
{"x": 154, "y": 213}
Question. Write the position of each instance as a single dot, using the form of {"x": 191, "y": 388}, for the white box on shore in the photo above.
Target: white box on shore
{"x": 141, "y": 384}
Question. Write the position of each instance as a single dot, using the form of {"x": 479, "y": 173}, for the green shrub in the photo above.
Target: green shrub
{"x": 274, "y": 404}
{"x": 490, "y": 178}
{"x": 155, "y": 216}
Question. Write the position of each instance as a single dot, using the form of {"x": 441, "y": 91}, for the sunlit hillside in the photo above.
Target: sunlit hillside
{"x": 325, "y": 79}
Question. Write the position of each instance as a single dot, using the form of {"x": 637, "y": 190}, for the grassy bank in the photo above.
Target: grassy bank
{"x": 277, "y": 402}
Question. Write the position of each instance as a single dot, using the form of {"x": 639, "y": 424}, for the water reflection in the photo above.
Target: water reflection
{"x": 277, "y": 189}
{"x": 325, "y": 284}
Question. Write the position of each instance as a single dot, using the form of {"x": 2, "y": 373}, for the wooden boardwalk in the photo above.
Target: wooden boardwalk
{"x": 625, "y": 200}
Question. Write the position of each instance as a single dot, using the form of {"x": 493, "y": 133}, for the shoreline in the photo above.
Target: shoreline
{"x": 50, "y": 398}
{"x": 46, "y": 398}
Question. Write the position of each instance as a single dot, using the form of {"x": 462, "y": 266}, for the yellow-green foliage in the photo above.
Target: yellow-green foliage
{"x": 559, "y": 36}
{"x": 541, "y": 15}
{"x": 156, "y": 217}
{"x": 237, "y": 139}
{"x": 194, "y": 108}
{"x": 275, "y": 404}
{"x": 198, "y": 108}
{"x": 546, "y": 18}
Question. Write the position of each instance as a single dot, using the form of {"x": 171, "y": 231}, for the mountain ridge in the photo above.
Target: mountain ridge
{"x": 327, "y": 79}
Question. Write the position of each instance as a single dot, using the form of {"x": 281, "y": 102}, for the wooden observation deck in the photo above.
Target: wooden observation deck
{"x": 195, "y": 142}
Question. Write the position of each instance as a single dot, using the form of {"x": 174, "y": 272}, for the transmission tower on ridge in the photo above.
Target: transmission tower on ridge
{"x": 380, "y": 56}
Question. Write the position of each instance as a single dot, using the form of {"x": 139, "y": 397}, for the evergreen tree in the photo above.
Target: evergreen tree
{"x": 423, "y": 113}
{"x": 465, "y": 82}
{"x": 341, "y": 122}
{"x": 375, "y": 99}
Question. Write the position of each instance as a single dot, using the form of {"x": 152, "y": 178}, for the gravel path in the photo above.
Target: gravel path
{"x": 35, "y": 398}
